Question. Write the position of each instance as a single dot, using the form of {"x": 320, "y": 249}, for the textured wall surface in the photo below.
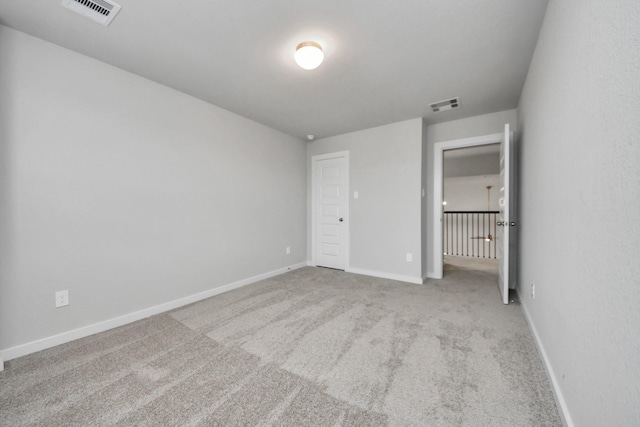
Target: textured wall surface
{"x": 580, "y": 198}
{"x": 385, "y": 168}
{"x": 129, "y": 194}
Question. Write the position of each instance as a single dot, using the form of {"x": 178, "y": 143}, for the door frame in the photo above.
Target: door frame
{"x": 438, "y": 183}
{"x": 345, "y": 225}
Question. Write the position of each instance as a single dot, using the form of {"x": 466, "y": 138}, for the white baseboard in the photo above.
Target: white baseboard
{"x": 380, "y": 274}
{"x": 399, "y": 277}
{"x": 432, "y": 275}
{"x": 85, "y": 331}
{"x": 557, "y": 392}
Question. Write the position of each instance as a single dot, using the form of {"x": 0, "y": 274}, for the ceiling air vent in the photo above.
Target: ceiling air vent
{"x": 449, "y": 104}
{"x": 101, "y": 11}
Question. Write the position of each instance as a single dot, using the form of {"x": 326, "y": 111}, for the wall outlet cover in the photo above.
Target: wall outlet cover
{"x": 62, "y": 298}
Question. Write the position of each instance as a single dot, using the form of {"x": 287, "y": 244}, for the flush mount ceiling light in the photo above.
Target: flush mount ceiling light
{"x": 309, "y": 55}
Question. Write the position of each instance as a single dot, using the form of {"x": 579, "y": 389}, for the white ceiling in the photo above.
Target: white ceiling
{"x": 385, "y": 61}
{"x": 477, "y": 151}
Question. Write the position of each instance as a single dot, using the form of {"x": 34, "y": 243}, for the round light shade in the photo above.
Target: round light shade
{"x": 309, "y": 55}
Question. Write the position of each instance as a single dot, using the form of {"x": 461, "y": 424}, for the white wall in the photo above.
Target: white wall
{"x": 385, "y": 223}
{"x": 486, "y": 124}
{"x": 580, "y": 198}
{"x": 469, "y": 193}
{"x": 129, "y": 194}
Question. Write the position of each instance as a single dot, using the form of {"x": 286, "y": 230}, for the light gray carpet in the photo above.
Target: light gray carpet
{"x": 310, "y": 347}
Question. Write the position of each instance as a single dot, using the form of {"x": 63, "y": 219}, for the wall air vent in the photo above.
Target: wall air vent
{"x": 449, "y": 104}
{"x": 101, "y": 11}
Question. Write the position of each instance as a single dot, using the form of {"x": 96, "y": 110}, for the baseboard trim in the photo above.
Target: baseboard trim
{"x": 85, "y": 331}
{"x": 557, "y": 392}
{"x": 399, "y": 277}
{"x": 432, "y": 275}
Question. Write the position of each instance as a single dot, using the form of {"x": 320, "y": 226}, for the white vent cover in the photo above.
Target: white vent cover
{"x": 101, "y": 11}
{"x": 448, "y": 104}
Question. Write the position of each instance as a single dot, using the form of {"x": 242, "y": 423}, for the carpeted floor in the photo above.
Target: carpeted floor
{"x": 310, "y": 347}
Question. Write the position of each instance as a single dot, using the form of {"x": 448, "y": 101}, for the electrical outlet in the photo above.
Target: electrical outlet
{"x": 62, "y": 298}
{"x": 288, "y": 250}
{"x": 533, "y": 291}
{"x": 409, "y": 257}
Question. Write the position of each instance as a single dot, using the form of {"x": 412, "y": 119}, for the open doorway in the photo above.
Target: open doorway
{"x": 438, "y": 176}
{"x": 471, "y": 180}
{"x": 506, "y": 233}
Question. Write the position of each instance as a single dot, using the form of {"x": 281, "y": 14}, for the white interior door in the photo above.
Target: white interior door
{"x": 330, "y": 184}
{"x": 506, "y": 217}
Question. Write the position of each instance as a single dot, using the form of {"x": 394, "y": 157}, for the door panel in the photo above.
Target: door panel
{"x": 330, "y": 220}
{"x": 506, "y": 219}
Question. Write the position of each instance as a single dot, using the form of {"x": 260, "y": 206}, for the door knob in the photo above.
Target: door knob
{"x": 341, "y": 220}
{"x": 499, "y": 223}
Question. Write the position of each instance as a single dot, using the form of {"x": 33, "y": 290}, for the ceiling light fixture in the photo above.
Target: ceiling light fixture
{"x": 309, "y": 55}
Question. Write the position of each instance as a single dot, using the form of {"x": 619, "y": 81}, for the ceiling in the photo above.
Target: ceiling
{"x": 476, "y": 151}
{"x": 385, "y": 61}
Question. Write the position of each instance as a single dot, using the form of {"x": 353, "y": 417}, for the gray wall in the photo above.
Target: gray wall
{"x": 385, "y": 168}
{"x": 457, "y": 129}
{"x": 469, "y": 193}
{"x": 484, "y": 164}
{"x": 580, "y": 198}
{"x": 129, "y": 194}
{"x": 485, "y": 124}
